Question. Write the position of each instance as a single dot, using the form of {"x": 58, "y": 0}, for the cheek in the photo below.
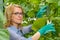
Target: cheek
{"x": 16, "y": 19}
{"x": 13, "y": 18}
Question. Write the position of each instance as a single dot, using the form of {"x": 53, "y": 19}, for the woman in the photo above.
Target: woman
{"x": 14, "y": 17}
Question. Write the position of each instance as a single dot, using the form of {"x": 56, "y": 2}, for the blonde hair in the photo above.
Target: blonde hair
{"x": 8, "y": 13}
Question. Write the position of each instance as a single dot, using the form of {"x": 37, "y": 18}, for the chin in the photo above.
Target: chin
{"x": 19, "y": 22}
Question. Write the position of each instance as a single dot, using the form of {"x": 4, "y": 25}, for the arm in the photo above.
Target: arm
{"x": 36, "y": 36}
{"x": 27, "y": 29}
{"x": 46, "y": 29}
{"x": 15, "y": 36}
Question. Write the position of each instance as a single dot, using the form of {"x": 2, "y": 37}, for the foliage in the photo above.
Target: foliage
{"x": 39, "y": 23}
{"x": 4, "y": 35}
{"x": 31, "y": 8}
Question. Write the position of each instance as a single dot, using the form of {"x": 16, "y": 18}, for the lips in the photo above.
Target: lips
{"x": 19, "y": 19}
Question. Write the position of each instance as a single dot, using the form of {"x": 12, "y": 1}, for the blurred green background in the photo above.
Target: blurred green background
{"x": 31, "y": 8}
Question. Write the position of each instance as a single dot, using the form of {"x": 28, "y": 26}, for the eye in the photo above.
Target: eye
{"x": 17, "y": 13}
{"x": 21, "y": 13}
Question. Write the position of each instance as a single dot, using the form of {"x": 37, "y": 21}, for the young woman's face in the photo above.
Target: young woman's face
{"x": 17, "y": 15}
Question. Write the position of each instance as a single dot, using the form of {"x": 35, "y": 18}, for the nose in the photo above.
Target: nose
{"x": 20, "y": 16}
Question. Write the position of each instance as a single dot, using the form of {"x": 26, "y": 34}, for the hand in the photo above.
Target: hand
{"x": 46, "y": 29}
{"x": 41, "y": 11}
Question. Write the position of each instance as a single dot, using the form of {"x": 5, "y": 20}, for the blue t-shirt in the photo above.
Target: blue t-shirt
{"x": 16, "y": 34}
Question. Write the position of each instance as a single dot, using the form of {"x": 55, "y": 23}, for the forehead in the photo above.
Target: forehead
{"x": 17, "y": 9}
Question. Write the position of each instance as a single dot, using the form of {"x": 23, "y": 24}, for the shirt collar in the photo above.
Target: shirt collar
{"x": 14, "y": 28}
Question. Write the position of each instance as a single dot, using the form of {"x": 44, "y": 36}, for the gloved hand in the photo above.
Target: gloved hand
{"x": 41, "y": 11}
{"x": 46, "y": 29}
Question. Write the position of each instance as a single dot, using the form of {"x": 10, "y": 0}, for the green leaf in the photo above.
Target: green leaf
{"x": 39, "y": 23}
{"x": 51, "y": 1}
{"x": 58, "y": 3}
{"x": 4, "y": 35}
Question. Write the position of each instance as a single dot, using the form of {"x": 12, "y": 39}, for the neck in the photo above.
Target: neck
{"x": 15, "y": 25}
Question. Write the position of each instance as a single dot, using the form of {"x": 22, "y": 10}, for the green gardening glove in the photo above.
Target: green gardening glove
{"x": 46, "y": 29}
{"x": 41, "y": 11}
